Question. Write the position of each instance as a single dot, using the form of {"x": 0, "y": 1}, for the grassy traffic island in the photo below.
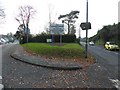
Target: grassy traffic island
{"x": 65, "y": 52}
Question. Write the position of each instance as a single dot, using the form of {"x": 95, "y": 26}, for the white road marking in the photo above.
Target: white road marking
{"x": 99, "y": 66}
{"x": 115, "y": 53}
{"x": 116, "y": 82}
{"x": 0, "y": 77}
{"x": 1, "y": 85}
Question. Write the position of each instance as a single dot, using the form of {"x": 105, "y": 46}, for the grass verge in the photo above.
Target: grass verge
{"x": 64, "y": 51}
{"x": 72, "y": 52}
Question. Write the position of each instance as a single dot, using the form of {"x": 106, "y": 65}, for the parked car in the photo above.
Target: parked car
{"x": 6, "y": 39}
{"x": 111, "y": 46}
{"x": 3, "y": 41}
{"x": 11, "y": 39}
{"x": 0, "y": 42}
{"x": 91, "y": 43}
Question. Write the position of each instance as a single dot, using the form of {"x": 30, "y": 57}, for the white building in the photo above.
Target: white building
{"x": 56, "y": 29}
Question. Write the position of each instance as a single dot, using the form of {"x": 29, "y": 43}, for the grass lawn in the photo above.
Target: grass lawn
{"x": 72, "y": 52}
{"x": 55, "y": 50}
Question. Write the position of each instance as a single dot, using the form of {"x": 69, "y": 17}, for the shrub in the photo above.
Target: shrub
{"x": 55, "y": 38}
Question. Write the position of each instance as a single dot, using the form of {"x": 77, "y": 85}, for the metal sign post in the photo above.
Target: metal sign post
{"x": 85, "y": 26}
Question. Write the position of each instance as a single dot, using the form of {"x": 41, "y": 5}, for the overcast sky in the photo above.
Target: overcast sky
{"x": 101, "y": 12}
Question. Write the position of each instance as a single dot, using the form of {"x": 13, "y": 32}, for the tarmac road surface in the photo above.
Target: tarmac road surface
{"x": 16, "y": 74}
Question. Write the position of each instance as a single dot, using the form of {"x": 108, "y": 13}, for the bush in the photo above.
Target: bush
{"x": 55, "y": 38}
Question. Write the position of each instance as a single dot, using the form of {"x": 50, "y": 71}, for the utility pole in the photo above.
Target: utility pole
{"x": 50, "y": 12}
{"x": 86, "y": 29}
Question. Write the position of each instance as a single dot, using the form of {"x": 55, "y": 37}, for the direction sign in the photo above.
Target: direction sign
{"x": 85, "y": 25}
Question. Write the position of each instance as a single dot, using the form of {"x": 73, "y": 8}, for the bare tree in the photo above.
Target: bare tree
{"x": 2, "y": 14}
{"x": 24, "y": 16}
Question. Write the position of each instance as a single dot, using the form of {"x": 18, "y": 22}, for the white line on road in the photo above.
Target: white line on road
{"x": 0, "y": 77}
{"x": 117, "y": 53}
{"x": 1, "y": 85}
{"x": 99, "y": 66}
{"x": 116, "y": 82}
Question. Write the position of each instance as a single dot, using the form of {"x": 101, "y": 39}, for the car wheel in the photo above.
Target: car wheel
{"x": 117, "y": 49}
{"x": 106, "y": 48}
{"x": 109, "y": 48}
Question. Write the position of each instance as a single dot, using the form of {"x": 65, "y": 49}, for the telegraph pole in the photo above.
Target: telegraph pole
{"x": 86, "y": 29}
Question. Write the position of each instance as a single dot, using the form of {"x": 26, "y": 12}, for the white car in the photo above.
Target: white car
{"x": 3, "y": 41}
{"x": 6, "y": 39}
{"x": 91, "y": 43}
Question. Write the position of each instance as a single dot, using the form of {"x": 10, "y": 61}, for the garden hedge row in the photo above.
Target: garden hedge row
{"x": 55, "y": 38}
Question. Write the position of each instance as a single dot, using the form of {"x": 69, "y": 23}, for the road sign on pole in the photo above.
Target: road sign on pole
{"x": 86, "y": 28}
{"x": 85, "y": 25}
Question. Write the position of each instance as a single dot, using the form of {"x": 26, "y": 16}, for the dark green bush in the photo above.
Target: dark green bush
{"x": 55, "y": 38}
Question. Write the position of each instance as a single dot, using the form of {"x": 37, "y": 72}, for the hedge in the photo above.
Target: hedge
{"x": 55, "y": 38}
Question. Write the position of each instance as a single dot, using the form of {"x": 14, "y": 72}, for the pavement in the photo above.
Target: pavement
{"x": 22, "y": 55}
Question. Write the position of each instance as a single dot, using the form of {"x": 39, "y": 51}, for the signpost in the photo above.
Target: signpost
{"x": 57, "y": 29}
{"x": 85, "y": 26}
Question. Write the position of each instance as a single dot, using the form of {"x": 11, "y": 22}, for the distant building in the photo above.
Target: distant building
{"x": 56, "y": 29}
